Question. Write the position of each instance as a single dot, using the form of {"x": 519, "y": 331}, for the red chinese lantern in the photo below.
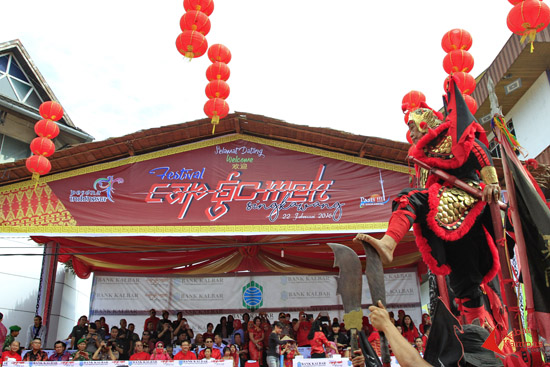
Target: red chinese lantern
{"x": 458, "y": 60}
{"x": 51, "y": 110}
{"x": 216, "y": 109}
{"x": 464, "y": 81}
{"x": 205, "y": 6}
{"x": 514, "y": 2}
{"x": 46, "y": 128}
{"x": 42, "y": 146}
{"x": 38, "y": 165}
{"x": 471, "y": 103}
{"x": 195, "y": 21}
{"x": 219, "y": 52}
{"x": 411, "y": 101}
{"x": 456, "y": 39}
{"x": 217, "y": 89}
{"x": 527, "y": 18}
{"x": 218, "y": 71}
{"x": 191, "y": 44}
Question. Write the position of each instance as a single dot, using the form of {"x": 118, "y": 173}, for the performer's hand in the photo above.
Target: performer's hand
{"x": 491, "y": 193}
{"x": 358, "y": 360}
{"x": 379, "y": 317}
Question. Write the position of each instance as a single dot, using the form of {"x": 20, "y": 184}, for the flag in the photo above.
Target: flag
{"x": 535, "y": 222}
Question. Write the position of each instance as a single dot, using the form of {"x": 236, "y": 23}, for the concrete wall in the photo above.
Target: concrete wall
{"x": 20, "y": 276}
{"x": 531, "y": 117}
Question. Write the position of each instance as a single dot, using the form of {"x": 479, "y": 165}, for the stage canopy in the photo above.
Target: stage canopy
{"x": 261, "y": 196}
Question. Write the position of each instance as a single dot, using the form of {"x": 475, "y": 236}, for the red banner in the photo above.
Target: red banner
{"x": 225, "y": 185}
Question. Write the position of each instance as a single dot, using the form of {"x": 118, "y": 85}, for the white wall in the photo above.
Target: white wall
{"x": 19, "y": 278}
{"x": 531, "y": 117}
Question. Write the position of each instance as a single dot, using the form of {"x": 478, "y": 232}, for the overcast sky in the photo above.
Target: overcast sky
{"x": 346, "y": 65}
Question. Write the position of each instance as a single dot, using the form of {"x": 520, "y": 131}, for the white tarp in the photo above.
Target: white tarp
{"x": 204, "y": 300}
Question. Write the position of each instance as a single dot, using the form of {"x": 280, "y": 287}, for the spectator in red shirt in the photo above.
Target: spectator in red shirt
{"x": 419, "y": 345}
{"x": 153, "y": 318}
{"x": 209, "y": 342}
{"x": 425, "y": 321}
{"x": 12, "y": 353}
{"x": 317, "y": 340}
{"x": 302, "y": 328}
{"x": 36, "y": 353}
{"x": 139, "y": 354}
{"x": 410, "y": 332}
{"x": 185, "y": 354}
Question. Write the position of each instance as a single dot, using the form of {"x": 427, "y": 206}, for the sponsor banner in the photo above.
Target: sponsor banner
{"x": 223, "y": 183}
{"x": 205, "y": 300}
{"x": 329, "y": 362}
{"x": 195, "y": 363}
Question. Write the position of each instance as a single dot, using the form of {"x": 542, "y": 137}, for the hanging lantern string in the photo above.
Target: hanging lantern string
{"x": 498, "y": 123}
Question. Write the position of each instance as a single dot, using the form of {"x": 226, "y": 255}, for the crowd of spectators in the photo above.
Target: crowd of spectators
{"x": 240, "y": 340}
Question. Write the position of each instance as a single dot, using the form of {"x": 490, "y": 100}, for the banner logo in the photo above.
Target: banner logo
{"x": 376, "y": 199}
{"x": 101, "y": 185}
{"x": 106, "y": 185}
{"x": 253, "y": 296}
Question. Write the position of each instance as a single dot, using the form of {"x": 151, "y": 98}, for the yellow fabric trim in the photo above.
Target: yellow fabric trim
{"x": 204, "y": 144}
{"x": 203, "y": 230}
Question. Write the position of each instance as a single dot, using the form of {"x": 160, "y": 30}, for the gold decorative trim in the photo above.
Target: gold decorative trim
{"x": 207, "y": 229}
{"x": 204, "y": 144}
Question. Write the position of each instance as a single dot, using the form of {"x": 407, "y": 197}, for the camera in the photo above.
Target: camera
{"x": 324, "y": 316}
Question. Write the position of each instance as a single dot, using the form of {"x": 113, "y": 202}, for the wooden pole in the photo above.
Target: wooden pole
{"x": 520, "y": 242}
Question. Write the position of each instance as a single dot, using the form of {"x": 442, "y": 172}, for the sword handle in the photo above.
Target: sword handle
{"x": 384, "y": 349}
{"x": 354, "y": 345}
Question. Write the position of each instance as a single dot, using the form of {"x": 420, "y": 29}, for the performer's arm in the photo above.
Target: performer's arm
{"x": 487, "y": 171}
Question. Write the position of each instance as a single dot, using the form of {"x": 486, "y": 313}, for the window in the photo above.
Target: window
{"x": 493, "y": 144}
{"x": 12, "y": 149}
{"x": 15, "y": 84}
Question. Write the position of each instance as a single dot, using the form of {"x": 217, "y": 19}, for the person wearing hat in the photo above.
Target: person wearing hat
{"x": 14, "y": 331}
{"x": 81, "y": 354}
{"x": 12, "y": 353}
{"x": 290, "y": 350}
{"x": 337, "y": 337}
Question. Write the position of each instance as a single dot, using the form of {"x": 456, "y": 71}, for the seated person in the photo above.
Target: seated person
{"x": 185, "y": 354}
{"x": 36, "y": 353}
{"x": 61, "y": 354}
{"x": 106, "y": 352}
{"x": 139, "y": 354}
{"x": 12, "y": 353}
{"x": 81, "y": 354}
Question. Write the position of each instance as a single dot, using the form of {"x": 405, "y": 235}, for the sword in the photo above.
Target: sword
{"x": 350, "y": 287}
{"x": 375, "y": 277}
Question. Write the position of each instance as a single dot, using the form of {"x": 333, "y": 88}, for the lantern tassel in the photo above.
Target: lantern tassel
{"x": 530, "y": 36}
{"x": 35, "y": 177}
{"x": 189, "y": 55}
{"x": 215, "y": 121}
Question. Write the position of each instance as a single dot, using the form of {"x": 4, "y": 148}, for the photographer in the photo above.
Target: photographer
{"x": 166, "y": 335}
{"x": 92, "y": 339}
{"x": 105, "y": 352}
{"x": 302, "y": 328}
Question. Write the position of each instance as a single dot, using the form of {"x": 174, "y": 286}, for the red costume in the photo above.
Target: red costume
{"x": 453, "y": 230}
{"x": 257, "y": 334}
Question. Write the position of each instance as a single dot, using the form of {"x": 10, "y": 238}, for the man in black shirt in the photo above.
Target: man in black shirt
{"x": 80, "y": 330}
{"x": 273, "y": 355}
